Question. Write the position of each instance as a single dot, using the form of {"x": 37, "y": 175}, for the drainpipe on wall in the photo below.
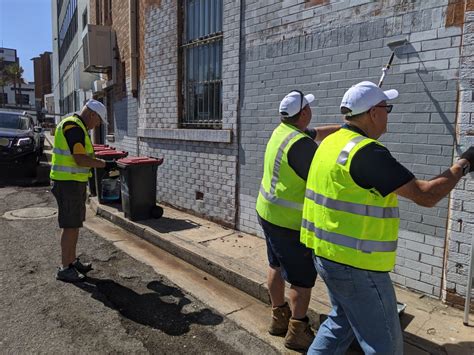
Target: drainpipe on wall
{"x": 133, "y": 47}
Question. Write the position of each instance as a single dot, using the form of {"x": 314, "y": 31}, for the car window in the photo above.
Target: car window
{"x": 24, "y": 123}
{"x": 11, "y": 120}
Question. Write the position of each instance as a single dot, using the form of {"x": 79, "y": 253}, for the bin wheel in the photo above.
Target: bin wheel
{"x": 157, "y": 212}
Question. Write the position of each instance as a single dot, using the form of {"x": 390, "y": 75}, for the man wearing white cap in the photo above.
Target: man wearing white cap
{"x": 73, "y": 156}
{"x": 288, "y": 157}
{"x": 351, "y": 219}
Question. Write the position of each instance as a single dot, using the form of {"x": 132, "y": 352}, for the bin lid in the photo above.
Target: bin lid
{"x": 100, "y": 145}
{"x": 139, "y": 161}
{"x": 100, "y": 149}
{"x": 110, "y": 153}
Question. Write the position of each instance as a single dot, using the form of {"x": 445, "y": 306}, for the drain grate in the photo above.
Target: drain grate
{"x": 31, "y": 213}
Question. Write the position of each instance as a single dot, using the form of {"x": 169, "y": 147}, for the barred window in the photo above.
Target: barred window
{"x": 202, "y": 64}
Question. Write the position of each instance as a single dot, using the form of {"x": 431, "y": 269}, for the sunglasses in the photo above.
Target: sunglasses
{"x": 387, "y": 107}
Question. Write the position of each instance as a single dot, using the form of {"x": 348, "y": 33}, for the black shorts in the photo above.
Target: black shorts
{"x": 285, "y": 251}
{"x": 71, "y": 198}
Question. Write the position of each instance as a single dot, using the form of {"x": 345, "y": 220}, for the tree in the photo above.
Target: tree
{"x": 3, "y": 82}
{"x": 15, "y": 75}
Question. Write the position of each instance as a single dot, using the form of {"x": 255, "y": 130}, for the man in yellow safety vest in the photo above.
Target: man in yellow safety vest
{"x": 351, "y": 220}
{"x": 72, "y": 159}
{"x": 288, "y": 157}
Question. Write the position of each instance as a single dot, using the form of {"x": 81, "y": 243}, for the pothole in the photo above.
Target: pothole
{"x": 31, "y": 213}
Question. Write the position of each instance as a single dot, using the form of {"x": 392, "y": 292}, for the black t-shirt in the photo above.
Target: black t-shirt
{"x": 301, "y": 154}
{"x": 373, "y": 167}
{"x": 75, "y": 137}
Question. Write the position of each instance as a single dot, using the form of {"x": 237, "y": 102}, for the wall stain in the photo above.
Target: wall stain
{"x": 455, "y": 12}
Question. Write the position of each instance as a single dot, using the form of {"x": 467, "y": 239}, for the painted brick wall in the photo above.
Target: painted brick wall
{"x": 326, "y": 48}
{"x": 461, "y": 226}
{"x": 189, "y": 167}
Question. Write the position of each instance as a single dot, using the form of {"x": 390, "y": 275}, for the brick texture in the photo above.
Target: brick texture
{"x": 189, "y": 168}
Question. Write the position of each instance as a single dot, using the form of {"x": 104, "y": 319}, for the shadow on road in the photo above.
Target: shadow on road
{"x": 10, "y": 176}
{"x": 161, "y": 309}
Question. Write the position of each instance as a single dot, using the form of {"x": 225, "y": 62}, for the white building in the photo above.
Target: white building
{"x": 25, "y": 95}
{"x": 71, "y": 85}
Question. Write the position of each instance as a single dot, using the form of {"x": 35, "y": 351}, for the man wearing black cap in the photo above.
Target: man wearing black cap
{"x": 73, "y": 156}
{"x": 351, "y": 220}
{"x": 288, "y": 156}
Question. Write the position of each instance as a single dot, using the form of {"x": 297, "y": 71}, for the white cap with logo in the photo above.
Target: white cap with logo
{"x": 294, "y": 102}
{"x": 362, "y": 97}
{"x": 99, "y": 108}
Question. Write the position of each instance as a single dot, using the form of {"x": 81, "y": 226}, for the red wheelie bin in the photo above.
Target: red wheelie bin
{"x": 138, "y": 187}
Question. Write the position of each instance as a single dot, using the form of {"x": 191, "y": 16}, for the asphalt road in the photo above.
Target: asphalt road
{"x": 124, "y": 306}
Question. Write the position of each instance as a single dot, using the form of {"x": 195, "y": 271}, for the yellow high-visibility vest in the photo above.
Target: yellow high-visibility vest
{"x": 63, "y": 165}
{"x": 343, "y": 222}
{"x": 280, "y": 199}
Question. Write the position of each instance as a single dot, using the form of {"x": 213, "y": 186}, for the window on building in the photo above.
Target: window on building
{"x": 22, "y": 99}
{"x": 202, "y": 64}
{"x": 85, "y": 19}
{"x": 68, "y": 29}
{"x": 3, "y": 99}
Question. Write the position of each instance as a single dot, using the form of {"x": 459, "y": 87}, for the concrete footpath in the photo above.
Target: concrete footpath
{"x": 239, "y": 259}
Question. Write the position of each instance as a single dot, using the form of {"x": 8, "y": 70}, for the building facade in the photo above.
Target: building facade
{"x": 199, "y": 82}
{"x": 71, "y": 85}
{"x": 43, "y": 77}
{"x": 8, "y": 56}
{"x": 23, "y": 97}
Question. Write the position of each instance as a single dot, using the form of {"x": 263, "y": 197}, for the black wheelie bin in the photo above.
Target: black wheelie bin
{"x": 107, "y": 183}
{"x": 138, "y": 187}
{"x": 97, "y": 148}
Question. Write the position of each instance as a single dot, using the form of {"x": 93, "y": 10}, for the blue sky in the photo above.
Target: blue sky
{"x": 25, "y": 25}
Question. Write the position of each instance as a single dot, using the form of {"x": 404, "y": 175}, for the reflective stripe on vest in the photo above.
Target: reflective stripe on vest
{"x": 62, "y": 151}
{"x": 279, "y": 201}
{"x": 281, "y": 193}
{"x": 342, "y": 221}
{"x": 70, "y": 169}
{"x": 342, "y": 158}
{"x": 351, "y": 207}
{"x": 367, "y": 246}
{"x": 67, "y": 152}
{"x": 276, "y": 167}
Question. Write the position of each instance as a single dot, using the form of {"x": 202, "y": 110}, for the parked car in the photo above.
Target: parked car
{"x": 21, "y": 143}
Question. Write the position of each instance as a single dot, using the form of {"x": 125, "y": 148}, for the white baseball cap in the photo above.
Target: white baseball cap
{"x": 294, "y": 102}
{"x": 365, "y": 95}
{"x": 99, "y": 108}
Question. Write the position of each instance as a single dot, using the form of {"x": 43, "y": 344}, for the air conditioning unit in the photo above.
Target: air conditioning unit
{"x": 97, "y": 47}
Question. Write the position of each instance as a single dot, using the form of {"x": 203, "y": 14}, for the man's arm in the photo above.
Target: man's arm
{"x": 429, "y": 193}
{"x": 88, "y": 162}
{"x": 324, "y": 131}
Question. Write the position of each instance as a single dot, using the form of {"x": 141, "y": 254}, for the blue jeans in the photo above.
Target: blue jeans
{"x": 363, "y": 306}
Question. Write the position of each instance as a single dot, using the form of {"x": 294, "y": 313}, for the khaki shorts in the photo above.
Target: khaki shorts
{"x": 71, "y": 199}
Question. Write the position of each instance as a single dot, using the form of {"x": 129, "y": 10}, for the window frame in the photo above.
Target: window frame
{"x": 203, "y": 43}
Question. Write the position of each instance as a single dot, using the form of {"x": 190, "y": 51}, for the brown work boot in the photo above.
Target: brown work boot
{"x": 280, "y": 318}
{"x": 299, "y": 335}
